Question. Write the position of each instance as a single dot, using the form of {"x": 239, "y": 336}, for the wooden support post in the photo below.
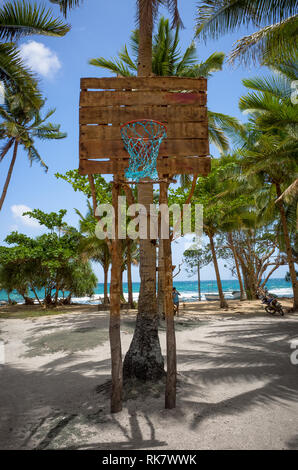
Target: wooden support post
{"x": 170, "y": 394}
{"x": 114, "y": 329}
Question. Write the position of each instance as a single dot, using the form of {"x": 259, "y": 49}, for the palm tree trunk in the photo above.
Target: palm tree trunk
{"x": 223, "y": 302}
{"x": 114, "y": 328}
{"x": 160, "y": 283}
{"x": 231, "y": 242}
{"x": 171, "y": 381}
{"x": 288, "y": 248}
{"x": 199, "y": 283}
{"x": 14, "y": 156}
{"x": 144, "y": 360}
{"x": 105, "y": 285}
{"x": 129, "y": 280}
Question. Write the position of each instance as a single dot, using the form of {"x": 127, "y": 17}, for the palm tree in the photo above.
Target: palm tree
{"x": 224, "y": 211}
{"x": 206, "y": 193}
{"x": 21, "y": 125}
{"x": 271, "y": 146}
{"x": 272, "y": 161}
{"x": 91, "y": 247}
{"x": 274, "y": 42}
{"x": 131, "y": 253}
{"x": 19, "y": 19}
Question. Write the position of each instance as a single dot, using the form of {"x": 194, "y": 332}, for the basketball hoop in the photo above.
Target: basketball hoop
{"x": 142, "y": 141}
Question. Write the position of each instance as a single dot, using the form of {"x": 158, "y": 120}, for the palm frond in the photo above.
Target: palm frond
{"x": 213, "y": 63}
{"x": 67, "y": 5}
{"x": 217, "y": 17}
{"x": 34, "y": 156}
{"x": 125, "y": 57}
{"x": 49, "y": 131}
{"x": 14, "y": 74}
{"x": 20, "y": 18}
{"x": 115, "y": 66}
{"x": 273, "y": 43}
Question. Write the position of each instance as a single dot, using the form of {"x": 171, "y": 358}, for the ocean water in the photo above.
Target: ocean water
{"x": 187, "y": 289}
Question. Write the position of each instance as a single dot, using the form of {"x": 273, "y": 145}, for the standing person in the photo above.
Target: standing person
{"x": 176, "y": 300}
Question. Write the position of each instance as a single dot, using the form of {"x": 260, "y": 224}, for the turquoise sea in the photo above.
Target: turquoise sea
{"x": 187, "y": 289}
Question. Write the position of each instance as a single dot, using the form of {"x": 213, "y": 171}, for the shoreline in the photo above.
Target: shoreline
{"x": 197, "y": 308}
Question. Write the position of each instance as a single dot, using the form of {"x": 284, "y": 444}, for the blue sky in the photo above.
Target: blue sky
{"x": 99, "y": 28}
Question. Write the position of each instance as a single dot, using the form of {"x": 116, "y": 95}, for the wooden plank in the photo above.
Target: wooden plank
{"x": 175, "y": 130}
{"x": 115, "y": 148}
{"x": 182, "y": 165}
{"x": 146, "y": 98}
{"x": 149, "y": 83}
{"x": 118, "y": 114}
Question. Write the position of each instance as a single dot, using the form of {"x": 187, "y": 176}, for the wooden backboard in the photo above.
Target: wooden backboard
{"x": 179, "y": 103}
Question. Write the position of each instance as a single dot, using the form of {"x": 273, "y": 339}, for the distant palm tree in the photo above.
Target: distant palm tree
{"x": 276, "y": 42}
{"x": 92, "y": 247}
{"x": 21, "y": 125}
{"x": 19, "y": 19}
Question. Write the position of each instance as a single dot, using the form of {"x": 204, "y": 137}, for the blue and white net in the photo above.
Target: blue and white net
{"x": 142, "y": 140}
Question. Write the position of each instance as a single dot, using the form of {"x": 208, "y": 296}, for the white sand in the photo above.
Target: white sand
{"x": 237, "y": 387}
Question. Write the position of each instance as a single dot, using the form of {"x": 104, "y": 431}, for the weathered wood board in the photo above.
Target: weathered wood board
{"x": 179, "y": 103}
{"x": 170, "y": 165}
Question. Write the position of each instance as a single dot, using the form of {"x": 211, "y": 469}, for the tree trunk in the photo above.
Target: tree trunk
{"x": 28, "y": 300}
{"x": 105, "y": 285}
{"x": 160, "y": 283}
{"x": 35, "y": 293}
{"x": 56, "y": 293}
{"x": 223, "y": 302}
{"x": 288, "y": 248}
{"x": 8, "y": 177}
{"x": 231, "y": 242}
{"x": 144, "y": 360}
{"x": 129, "y": 280}
{"x": 114, "y": 329}
{"x": 145, "y": 39}
{"x": 170, "y": 395}
{"x": 122, "y": 298}
{"x": 199, "y": 283}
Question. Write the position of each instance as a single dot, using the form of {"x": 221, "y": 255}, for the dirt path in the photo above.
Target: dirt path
{"x": 237, "y": 386}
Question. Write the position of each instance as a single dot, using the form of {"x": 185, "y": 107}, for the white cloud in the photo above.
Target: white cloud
{"x": 17, "y": 212}
{"x": 40, "y": 58}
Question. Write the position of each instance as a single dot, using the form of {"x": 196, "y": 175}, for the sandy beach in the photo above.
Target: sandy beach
{"x": 237, "y": 388}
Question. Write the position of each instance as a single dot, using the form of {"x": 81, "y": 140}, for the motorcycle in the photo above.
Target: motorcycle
{"x": 271, "y": 302}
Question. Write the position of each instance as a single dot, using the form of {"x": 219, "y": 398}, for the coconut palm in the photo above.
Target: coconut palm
{"x": 91, "y": 247}
{"x": 19, "y": 19}
{"x": 22, "y": 125}
{"x": 274, "y": 42}
{"x": 271, "y": 144}
{"x": 271, "y": 160}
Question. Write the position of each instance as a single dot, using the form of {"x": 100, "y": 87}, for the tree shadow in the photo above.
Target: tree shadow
{"x": 65, "y": 403}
